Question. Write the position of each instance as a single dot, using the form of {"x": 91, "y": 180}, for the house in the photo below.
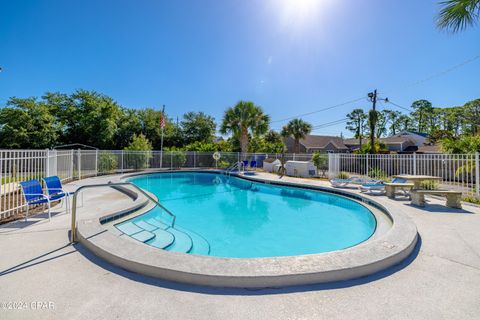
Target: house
{"x": 393, "y": 144}
{"x": 419, "y": 138}
{"x": 313, "y": 143}
{"x": 404, "y": 142}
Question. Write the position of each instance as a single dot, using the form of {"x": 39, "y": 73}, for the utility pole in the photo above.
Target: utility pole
{"x": 372, "y": 117}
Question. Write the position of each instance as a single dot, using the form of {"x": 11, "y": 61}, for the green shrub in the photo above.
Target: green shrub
{"x": 140, "y": 152}
{"x": 223, "y": 164}
{"x": 429, "y": 185}
{"x": 320, "y": 161}
{"x": 107, "y": 162}
{"x": 377, "y": 173}
{"x": 343, "y": 175}
{"x": 179, "y": 159}
{"x": 473, "y": 200}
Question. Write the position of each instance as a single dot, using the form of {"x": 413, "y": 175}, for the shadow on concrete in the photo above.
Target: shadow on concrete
{"x": 38, "y": 260}
{"x": 438, "y": 208}
{"x": 247, "y": 292}
{"x": 32, "y": 220}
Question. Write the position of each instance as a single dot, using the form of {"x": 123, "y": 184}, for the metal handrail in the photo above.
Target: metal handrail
{"x": 89, "y": 186}
{"x": 238, "y": 164}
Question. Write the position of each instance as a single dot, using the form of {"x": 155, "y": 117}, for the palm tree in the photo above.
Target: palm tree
{"x": 457, "y": 15}
{"x": 297, "y": 129}
{"x": 244, "y": 118}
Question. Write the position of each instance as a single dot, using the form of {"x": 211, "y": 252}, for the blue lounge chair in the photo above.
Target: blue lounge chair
{"x": 373, "y": 186}
{"x": 253, "y": 164}
{"x": 245, "y": 164}
{"x": 343, "y": 183}
{"x": 55, "y": 190}
{"x": 33, "y": 195}
{"x": 380, "y": 187}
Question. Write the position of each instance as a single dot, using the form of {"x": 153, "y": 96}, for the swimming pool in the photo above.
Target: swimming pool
{"x": 232, "y": 217}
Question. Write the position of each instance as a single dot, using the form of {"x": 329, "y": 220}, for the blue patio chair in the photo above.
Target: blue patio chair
{"x": 55, "y": 190}
{"x": 245, "y": 164}
{"x": 33, "y": 194}
{"x": 253, "y": 164}
{"x": 399, "y": 180}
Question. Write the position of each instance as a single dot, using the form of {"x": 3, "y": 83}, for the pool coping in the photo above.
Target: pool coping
{"x": 361, "y": 260}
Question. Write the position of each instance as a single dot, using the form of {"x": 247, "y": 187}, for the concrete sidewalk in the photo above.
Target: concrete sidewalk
{"x": 43, "y": 277}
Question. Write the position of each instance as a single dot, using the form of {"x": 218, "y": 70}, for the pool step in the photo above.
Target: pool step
{"x": 146, "y": 226}
{"x": 157, "y": 223}
{"x": 129, "y": 228}
{"x": 183, "y": 242}
{"x": 154, "y": 232}
{"x": 162, "y": 239}
{"x": 143, "y": 236}
{"x": 200, "y": 246}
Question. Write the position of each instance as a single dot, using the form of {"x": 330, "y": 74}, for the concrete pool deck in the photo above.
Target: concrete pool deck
{"x": 440, "y": 280}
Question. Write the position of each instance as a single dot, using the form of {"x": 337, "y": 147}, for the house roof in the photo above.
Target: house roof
{"x": 436, "y": 148}
{"x": 422, "y": 134}
{"x": 388, "y": 140}
{"x": 320, "y": 142}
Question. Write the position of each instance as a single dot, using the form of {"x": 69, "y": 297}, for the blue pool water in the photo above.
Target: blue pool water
{"x": 233, "y": 217}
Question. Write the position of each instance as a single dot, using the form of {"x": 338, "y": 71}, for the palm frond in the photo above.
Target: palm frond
{"x": 457, "y": 15}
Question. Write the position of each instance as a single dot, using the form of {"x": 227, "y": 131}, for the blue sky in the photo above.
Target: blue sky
{"x": 289, "y": 56}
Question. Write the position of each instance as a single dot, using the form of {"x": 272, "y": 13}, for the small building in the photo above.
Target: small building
{"x": 314, "y": 143}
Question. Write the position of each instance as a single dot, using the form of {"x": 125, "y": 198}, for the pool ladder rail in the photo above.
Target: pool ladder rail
{"x": 116, "y": 184}
{"x": 239, "y": 166}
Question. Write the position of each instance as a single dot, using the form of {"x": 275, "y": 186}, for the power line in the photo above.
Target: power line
{"x": 328, "y": 124}
{"x": 320, "y": 110}
{"x": 399, "y": 106}
{"x": 441, "y": 73}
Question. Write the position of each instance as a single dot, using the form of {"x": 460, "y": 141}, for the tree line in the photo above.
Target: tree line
{"x": 94, "y": 119}
{"x": 97, "y": 120}
{"x": 439, "y": 123}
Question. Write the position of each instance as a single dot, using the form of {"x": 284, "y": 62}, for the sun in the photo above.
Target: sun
{"x": 298, "y": 13}
{"x": 301, "y": 8}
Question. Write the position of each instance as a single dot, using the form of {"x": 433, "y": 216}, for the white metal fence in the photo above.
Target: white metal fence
{"x": 457, "y": 171}
{"x": 21, "y": 165}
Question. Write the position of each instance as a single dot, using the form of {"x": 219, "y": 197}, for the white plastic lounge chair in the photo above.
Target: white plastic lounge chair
{"x": 376, "y": 186}
{"x": 343, "y": 183}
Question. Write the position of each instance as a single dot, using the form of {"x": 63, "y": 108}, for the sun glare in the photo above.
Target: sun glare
{"x": 301, "y": 8}
{"x": 300, "y": 12}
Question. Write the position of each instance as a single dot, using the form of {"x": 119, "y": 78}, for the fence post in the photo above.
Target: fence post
{"x": 96, "y": 162}
{"x": 71, "y": 164}
{"x": 79, "y": 164}
{"x": 477, "y": 174}
{"x": 414, "y": 163}
{"x": 330, "y": 165}
{"x": 238, "y": 156}
{"x": 294, "y": 156}
{"x": 47, "y": 164}
{"x": 366, "y": 164}
{"x": 171, "y": 160}
{"x": 194, "y": 163}
{"x": 121, "y": 161}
